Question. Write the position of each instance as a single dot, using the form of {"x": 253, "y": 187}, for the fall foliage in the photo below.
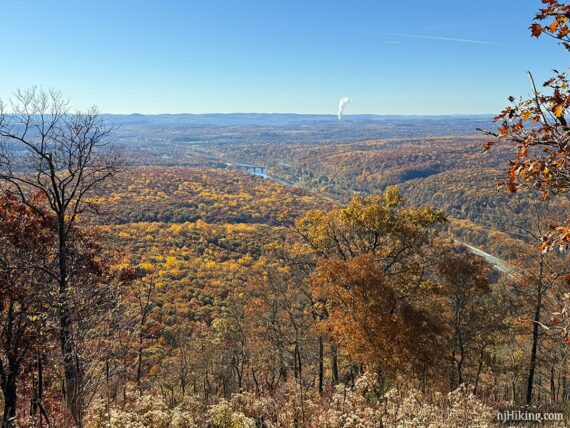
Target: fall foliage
{"x": 366, "y": 282}
{"x": 539, "y": 128}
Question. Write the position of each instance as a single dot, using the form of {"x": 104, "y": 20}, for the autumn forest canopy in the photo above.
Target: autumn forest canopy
{"x": 256, "y": 270}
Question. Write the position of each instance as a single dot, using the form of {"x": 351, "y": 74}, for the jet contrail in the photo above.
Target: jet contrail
{"x": 341, "y": 105}
{"x": 447, "y": 39}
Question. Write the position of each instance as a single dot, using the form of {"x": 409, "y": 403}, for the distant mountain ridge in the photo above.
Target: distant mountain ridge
{"x": 277, "y": 119}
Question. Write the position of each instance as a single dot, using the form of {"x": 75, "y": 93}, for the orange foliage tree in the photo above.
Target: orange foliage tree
{"x": 380, "y": 326}
{"x": 374, "y": 279}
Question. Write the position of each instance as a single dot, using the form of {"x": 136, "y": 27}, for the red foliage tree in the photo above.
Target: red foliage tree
{"x": 539, "y": 128}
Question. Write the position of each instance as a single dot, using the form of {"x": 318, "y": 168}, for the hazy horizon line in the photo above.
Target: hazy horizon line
{"x": 297, "y": 114}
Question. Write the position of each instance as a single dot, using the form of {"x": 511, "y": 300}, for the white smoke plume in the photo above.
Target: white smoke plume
{"x": 341, "y": 106}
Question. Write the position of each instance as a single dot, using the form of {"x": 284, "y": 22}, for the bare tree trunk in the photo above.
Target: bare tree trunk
{"x": 534, "y": 348}
{"x": 479, "y": 368}
{"x": 40, "y": 389}
{"x": 564, "y": 375}
{"x": 10, "y": 398}
{"x": 71, "y": 364}
{"x": 552, "y": 386}
{"x": 461, "y": 359}
{"x": 321, "y": 365}
{"x": 139, "y": 360}
{"x": 40, "y": 394}
{"x": 334, "y": 365}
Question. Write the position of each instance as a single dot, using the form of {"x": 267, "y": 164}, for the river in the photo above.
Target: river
{"x": 259, "y": 171}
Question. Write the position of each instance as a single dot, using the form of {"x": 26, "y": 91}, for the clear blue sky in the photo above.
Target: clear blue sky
{"x": 300, "y": 56}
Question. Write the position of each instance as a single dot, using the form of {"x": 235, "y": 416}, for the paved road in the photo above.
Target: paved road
{"x": 496, "y": 262}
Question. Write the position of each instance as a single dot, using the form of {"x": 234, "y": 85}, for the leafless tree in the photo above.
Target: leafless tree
{"x": 65, "y": 156}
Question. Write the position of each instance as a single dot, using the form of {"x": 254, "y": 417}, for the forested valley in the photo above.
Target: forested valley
{"x": 285, "y": 271}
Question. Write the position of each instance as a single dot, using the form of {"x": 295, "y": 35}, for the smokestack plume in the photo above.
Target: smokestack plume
{"x": 341, "y": 106}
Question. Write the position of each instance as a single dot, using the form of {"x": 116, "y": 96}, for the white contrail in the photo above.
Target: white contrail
{"x": 447, "y": 39}
{"x": 341, "y": 105}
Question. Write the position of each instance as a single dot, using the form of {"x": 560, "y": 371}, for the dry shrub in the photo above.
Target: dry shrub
{"x": 360, "y": 406}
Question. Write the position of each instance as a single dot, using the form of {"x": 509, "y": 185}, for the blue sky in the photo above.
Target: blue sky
{"x": 299, "y": 56}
